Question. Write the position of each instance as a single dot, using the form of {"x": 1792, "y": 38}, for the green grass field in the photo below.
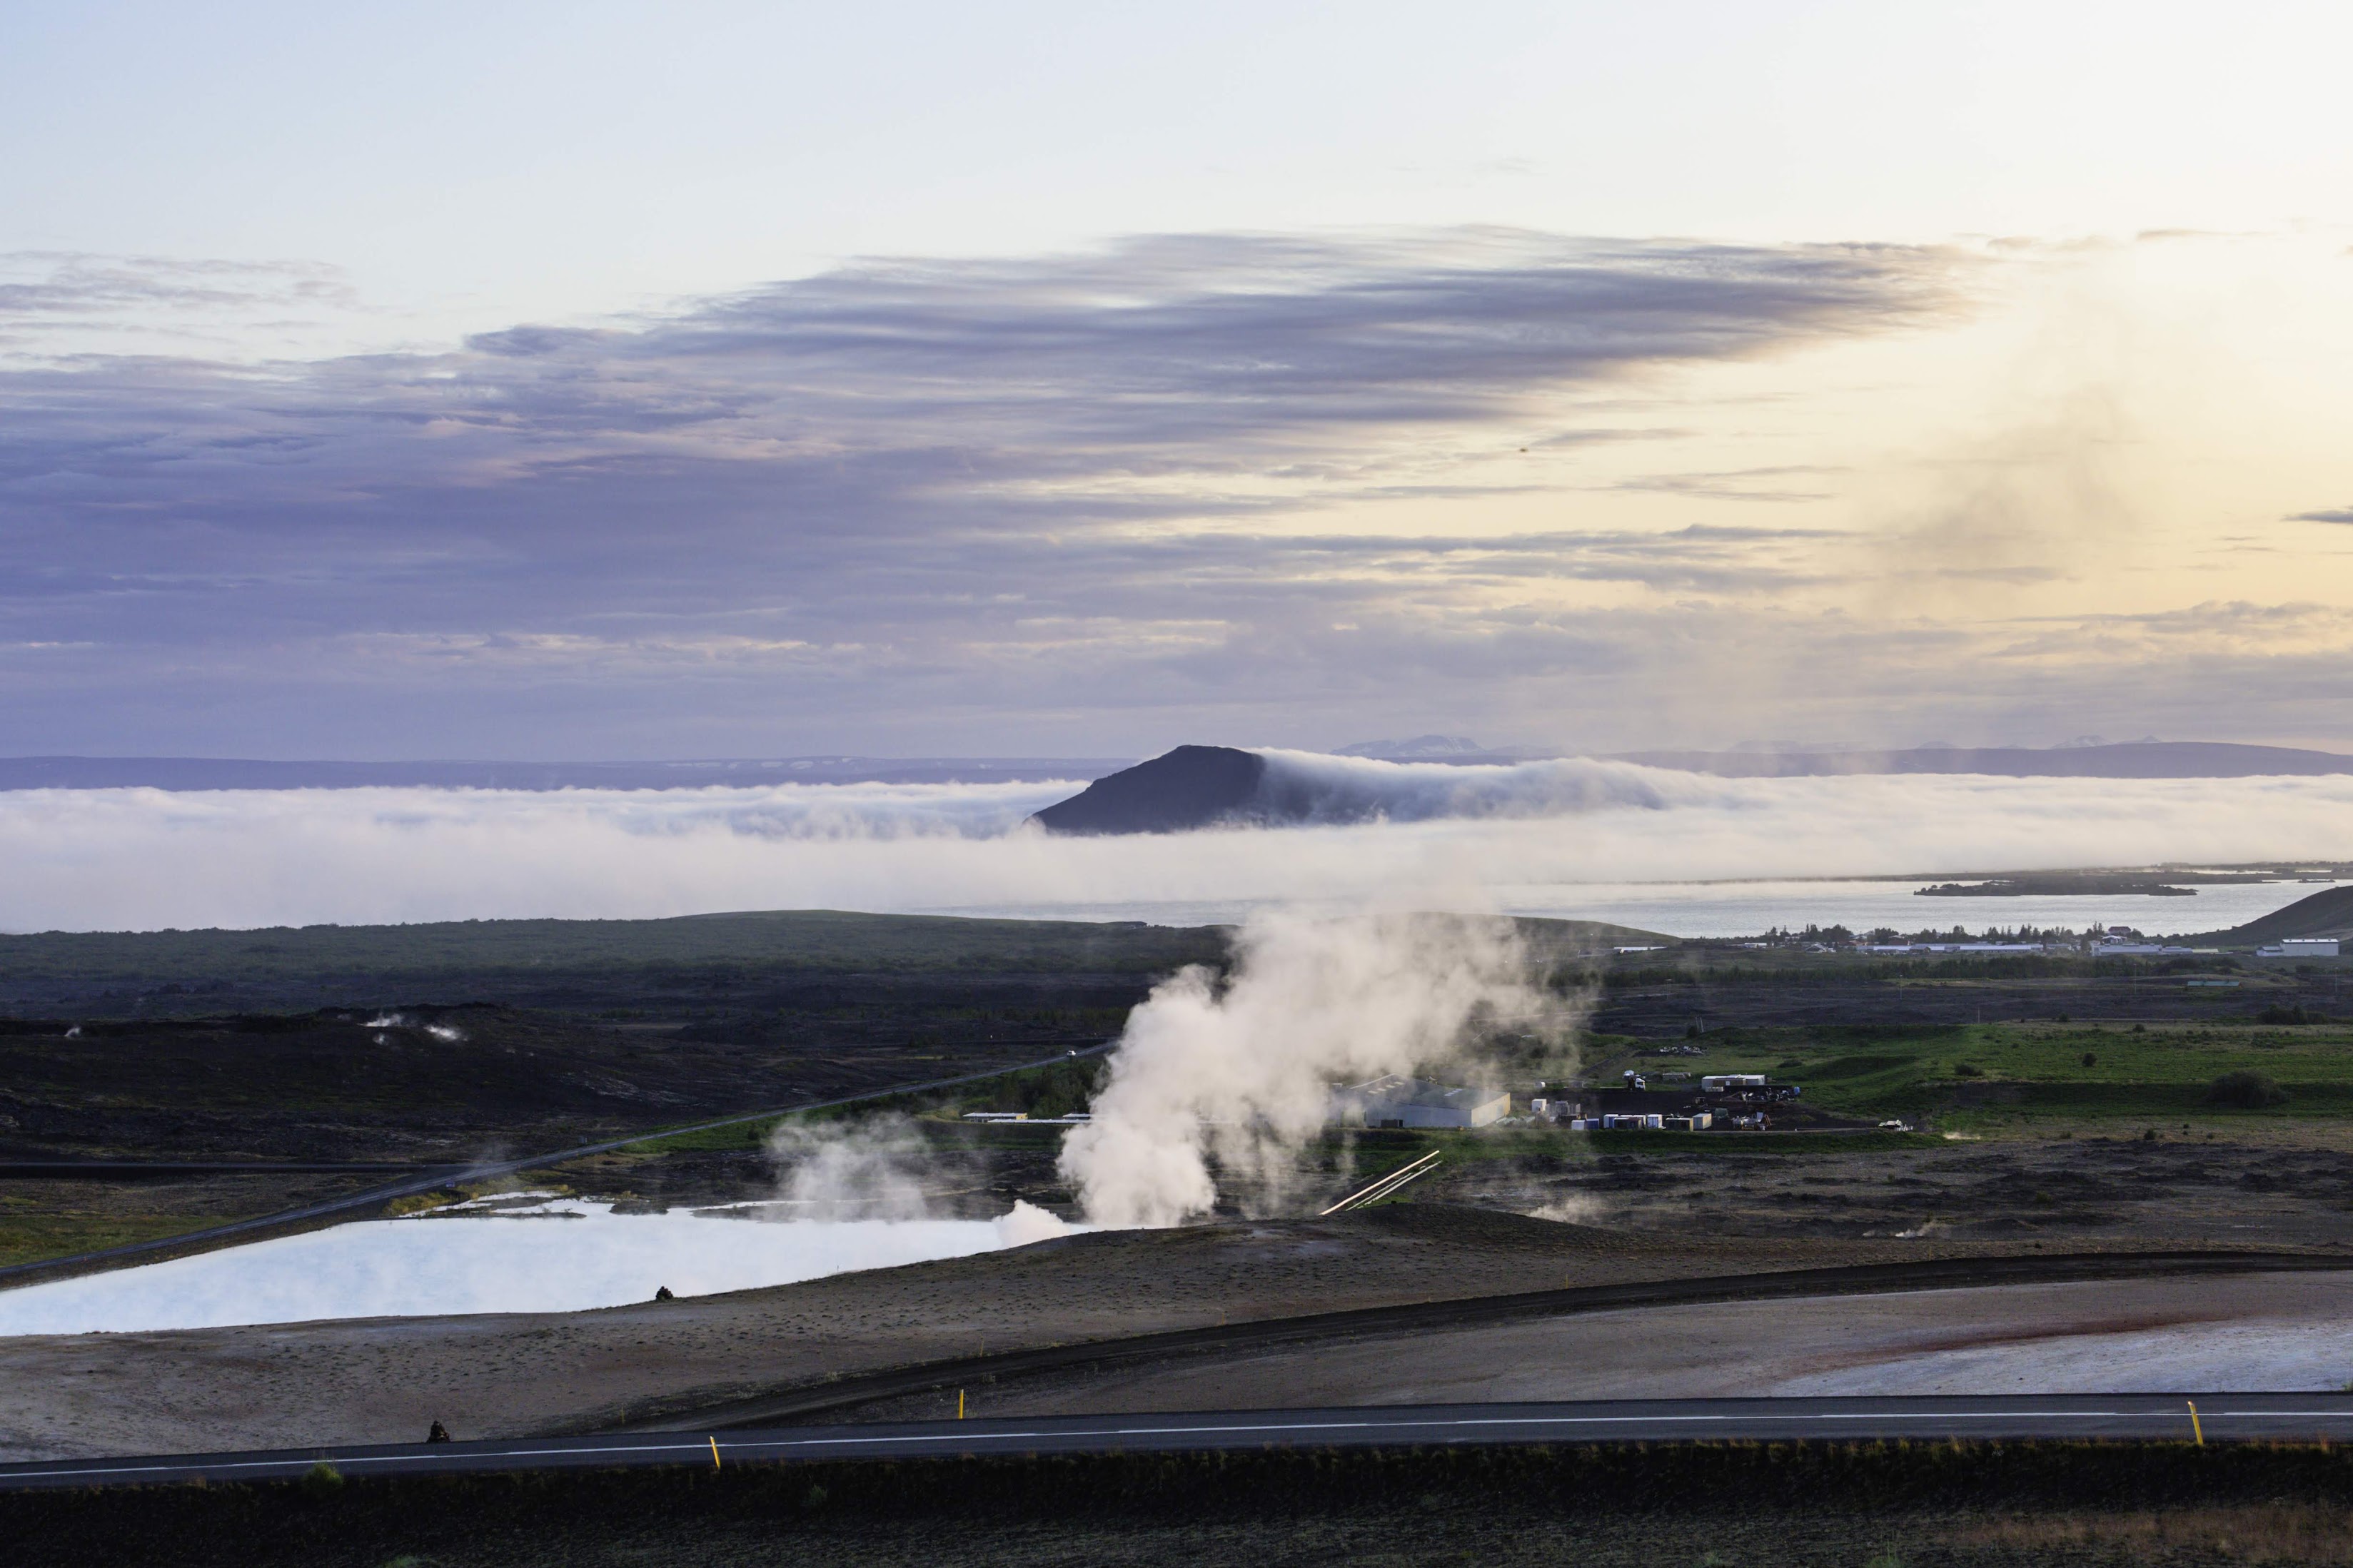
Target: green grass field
{"x": 2045, "y": 1074}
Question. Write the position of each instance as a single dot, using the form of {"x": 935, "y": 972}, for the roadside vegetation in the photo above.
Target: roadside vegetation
{"x": 1965, "y": 1505}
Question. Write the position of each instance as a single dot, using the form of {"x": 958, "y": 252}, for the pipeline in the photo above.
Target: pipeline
{"x": 1382, "y": 1188}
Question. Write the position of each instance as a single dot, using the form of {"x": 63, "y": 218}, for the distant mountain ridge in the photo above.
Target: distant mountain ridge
{"x": 2146, "y": 759}
{"x": 232, "y": 773}
{"x": 1428, "y": 749}
{"x": 1203, "y": 786}
{"x": 2129, "y": 760}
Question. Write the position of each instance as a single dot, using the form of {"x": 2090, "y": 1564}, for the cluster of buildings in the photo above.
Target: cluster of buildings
{"x": 1392, "y": 1101}
{"x": 1671, "y": 1104}
{"x": 2116, "y": 941}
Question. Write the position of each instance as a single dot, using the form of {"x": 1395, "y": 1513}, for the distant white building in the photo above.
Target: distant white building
{"x": 2303, "y": 947}
{"x": 1394, "y": 1101}
{"x": 1901, "y": 947}
{"x": 1721, "y": 1083}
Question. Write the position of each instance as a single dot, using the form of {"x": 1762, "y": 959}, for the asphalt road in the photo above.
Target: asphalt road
{"x": 837, "y": 1397}
{"x": 2220, "y": 1418}
{"x": 176, "y": 1170}
{"x": 429, "y": 1178}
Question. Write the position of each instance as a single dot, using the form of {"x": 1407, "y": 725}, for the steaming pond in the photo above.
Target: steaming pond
{"x": 552, "y": 1256}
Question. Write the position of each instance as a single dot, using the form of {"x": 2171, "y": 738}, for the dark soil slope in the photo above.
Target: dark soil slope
{"x": 1192, "y": 786}
{"x": 2329, "y": 912}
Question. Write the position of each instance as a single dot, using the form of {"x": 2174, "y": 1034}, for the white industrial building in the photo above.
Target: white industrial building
{"x": 2303, "y": 947}
{"x": 1391, "y": 1101}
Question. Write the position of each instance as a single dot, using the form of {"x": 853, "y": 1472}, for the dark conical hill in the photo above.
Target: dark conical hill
{"x": 1191, "y": 786}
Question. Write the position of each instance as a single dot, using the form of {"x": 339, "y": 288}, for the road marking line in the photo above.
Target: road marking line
{"x": 592, "y": 1449}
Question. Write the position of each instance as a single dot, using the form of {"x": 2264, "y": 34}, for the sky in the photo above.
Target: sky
{"x": 591, "y": 381}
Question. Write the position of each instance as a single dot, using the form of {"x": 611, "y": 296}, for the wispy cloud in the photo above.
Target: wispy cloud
{"x": 916, "y": 475}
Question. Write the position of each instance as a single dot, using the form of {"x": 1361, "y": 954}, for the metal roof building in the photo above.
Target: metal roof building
{"x": 1394, "y": 1101}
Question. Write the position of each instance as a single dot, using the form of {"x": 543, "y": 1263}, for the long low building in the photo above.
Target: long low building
{"x": 1394, "y": 1101}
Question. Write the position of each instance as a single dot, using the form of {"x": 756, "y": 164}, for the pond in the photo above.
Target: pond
{"x": 557, "y": 1255}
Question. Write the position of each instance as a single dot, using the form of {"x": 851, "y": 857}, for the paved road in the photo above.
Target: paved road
{"x": 175, "y": 1170}
{"x": 254, "y": 1229}
{"x": 2221, "y": 1417}
{"x": 836, "y": 1397}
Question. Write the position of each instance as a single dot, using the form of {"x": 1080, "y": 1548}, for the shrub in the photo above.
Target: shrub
{"x": 2247, "y": 1090}
{"x": 1968, "y": 1069}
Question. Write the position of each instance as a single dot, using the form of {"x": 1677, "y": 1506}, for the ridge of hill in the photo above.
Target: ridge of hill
{"x": 244, "y": 772}
{"x": 2329, "y": 912}
{"x": 2131, "y": 760}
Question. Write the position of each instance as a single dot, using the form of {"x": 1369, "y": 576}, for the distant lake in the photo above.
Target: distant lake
{"x": 1745, "y": 909}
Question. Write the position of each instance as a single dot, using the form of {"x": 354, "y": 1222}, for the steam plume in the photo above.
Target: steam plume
{"x": 874, "y": 1170}
{"x": 869, "y": 1170}
{"x": 1241, "y": 1069}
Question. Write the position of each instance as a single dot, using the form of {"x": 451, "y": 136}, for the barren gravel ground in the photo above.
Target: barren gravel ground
{"x": 386, "y": 1380}
{"x": 2243, "y": 1332}
{"x": 2280, "y": 1185}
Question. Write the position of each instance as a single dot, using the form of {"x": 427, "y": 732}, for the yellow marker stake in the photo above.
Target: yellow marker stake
{"x": 715, "y": 1453}
{"x": 959, "y": 1404}
{"x": 2196, "y": 1431}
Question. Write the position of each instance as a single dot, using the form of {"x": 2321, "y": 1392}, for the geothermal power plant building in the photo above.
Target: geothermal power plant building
{"x": 1394, "y": 1101}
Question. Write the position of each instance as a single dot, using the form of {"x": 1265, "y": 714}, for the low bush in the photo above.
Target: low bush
{"x": 2245, "y": 1091}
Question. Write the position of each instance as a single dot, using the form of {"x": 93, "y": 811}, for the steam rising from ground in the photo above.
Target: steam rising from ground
{"x": 129, "y": 859}
{"x": 868, "y": 1170}
{"x": 874, "y": 1170}
{"x": 1241, "y": 1068}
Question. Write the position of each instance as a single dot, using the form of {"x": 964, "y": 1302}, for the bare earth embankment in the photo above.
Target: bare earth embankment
{"x": 387, "y": 1380}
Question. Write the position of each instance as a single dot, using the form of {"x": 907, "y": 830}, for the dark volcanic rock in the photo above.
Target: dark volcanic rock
{"x": 1191, "y": 786}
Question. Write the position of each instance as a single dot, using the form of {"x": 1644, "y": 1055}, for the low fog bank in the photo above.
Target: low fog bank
{"x": 1318, "y": 790}
{"x": 143, "y": 859}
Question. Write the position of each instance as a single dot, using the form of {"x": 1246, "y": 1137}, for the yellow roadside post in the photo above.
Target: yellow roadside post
{"x": 715, "y": 1453}
{"x": 2196, "y": 1431}
{"x": 959, "y": 1404}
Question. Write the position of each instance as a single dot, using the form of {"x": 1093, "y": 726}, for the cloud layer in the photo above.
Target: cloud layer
{"x": 916, "y": 494}
{"x": 143, "y": 859}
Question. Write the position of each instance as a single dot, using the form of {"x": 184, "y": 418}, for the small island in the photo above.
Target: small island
{"x": 2062, "y": 886}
